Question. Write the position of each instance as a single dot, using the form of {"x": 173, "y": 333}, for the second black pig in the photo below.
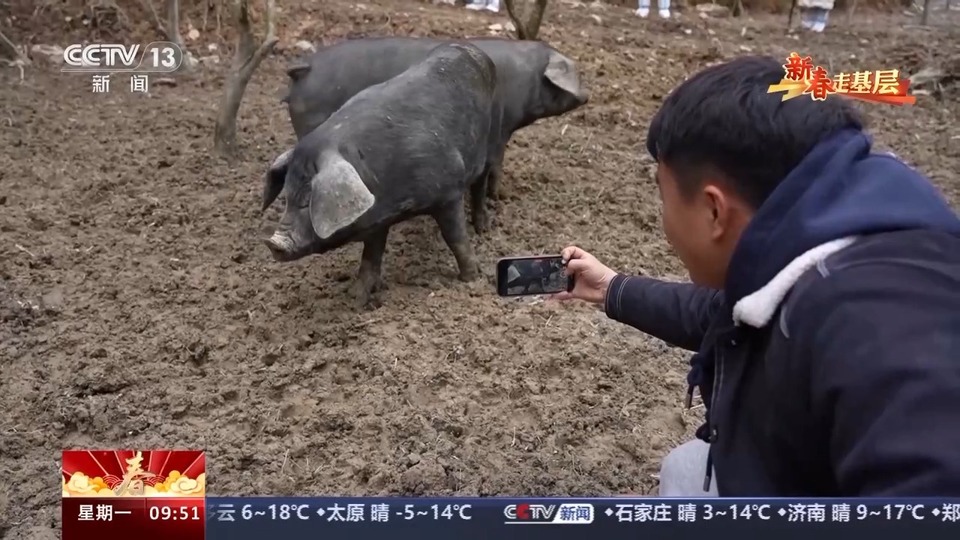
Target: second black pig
{"x": 535, "y": 81}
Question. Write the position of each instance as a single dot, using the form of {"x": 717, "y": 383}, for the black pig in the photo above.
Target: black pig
{"x": 534, "y": 81}
{"x": 409, "y": 146}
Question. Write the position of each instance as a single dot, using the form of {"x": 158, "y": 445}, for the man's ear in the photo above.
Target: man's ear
{"x": 719, "y": 205}
{"x": 275, "y": 178}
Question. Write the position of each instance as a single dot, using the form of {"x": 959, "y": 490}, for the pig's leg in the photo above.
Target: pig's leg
{"x": 493, "y": 178}
{"x": 478, "y": 203}
{"x": 453, "y": 227}
{"x": 369, "y": 278}
{"x": 493, "y": 182}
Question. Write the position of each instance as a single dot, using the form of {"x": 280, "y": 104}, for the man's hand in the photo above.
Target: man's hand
{"x": 591, "y": 277}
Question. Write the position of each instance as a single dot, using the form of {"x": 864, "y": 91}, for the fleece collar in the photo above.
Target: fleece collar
{"x": 758, "y": 308}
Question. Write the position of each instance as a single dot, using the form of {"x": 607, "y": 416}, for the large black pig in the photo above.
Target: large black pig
{"x": 409, "y": 146}
{"x": 534, "y": 81}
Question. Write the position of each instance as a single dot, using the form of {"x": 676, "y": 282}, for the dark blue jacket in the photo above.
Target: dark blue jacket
{"x": 830, "y": 361}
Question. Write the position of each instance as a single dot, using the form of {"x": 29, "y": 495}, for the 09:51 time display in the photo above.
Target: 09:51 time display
{"x": 172, "y": 513}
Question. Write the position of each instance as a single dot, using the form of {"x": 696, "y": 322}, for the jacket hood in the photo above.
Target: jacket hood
{"x": 841, "y": 189}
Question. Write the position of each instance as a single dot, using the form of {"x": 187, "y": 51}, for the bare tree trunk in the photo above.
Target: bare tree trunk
{"x": 173, "y": 23}
{"x": 246, "y": 59}
{"x": 737, "y": 10}
{"x": 170, "y": 30}
{"x": 926, "y": 12}
{"x": 527, "y": 27}
{"x": 173, "y": 30}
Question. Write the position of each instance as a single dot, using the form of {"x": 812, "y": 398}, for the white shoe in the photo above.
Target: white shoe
{"x": 819, "y": 26}
{"x": 492, "y": 7}
{"x": 475, "y": 7}
{"x": 642, "y": 12}
{"x": 664, "y": 13}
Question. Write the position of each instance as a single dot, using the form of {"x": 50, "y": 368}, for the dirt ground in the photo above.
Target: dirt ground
{"x": 138, "y": 307}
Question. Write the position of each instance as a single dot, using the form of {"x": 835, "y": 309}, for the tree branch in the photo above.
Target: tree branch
{"x": 851, "y": 11}
{"x": 246, "y": 59}
{"x": 511, "y": 12}
{"x": 9, "y": 49}
{"x": 536, "y": 19}
{"x": 271, "y": 39}
{"x": 148, "y": 4}
{"x": 528, "y": 25}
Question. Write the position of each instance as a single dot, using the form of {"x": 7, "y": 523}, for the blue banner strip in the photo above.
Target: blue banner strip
{"x": 353, "y": 518}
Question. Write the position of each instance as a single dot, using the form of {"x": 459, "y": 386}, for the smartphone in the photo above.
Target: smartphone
{"x": 538, "y": 274}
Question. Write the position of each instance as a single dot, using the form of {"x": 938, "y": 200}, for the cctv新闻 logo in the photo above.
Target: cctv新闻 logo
{"x": 565, "y": 514}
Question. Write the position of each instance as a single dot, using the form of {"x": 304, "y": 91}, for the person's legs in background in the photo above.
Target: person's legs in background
{"x": 489, "y": 5}
{"x": 806, "y": 18}
{"x": 643, "y": 8}
{"x": 664, "y": 9}
{"x": 814, "y": 19}
{"x": 821, "y": 20}
{"x": 684, "y": 469}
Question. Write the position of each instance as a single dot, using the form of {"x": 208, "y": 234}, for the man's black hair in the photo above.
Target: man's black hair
{"x": 723, "y": 120}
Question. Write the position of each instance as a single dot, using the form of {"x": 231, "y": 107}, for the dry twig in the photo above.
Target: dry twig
{"x": 8, "y": 49}
{"x": 155, "y": 18}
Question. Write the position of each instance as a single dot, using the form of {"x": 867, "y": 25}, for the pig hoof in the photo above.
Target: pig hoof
{"x": 470, "y": 273}
{"x": 369, "y": 303}
{"x": 481, "y": 223}
{"x": 362, "y": 294}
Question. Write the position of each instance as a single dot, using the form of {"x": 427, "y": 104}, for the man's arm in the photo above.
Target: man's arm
{"x": 678, "y": 313}
{"x": 883, "y": 345}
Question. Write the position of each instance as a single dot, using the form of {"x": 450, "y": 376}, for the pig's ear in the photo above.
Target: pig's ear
{"x": 274, "y": 179}
{"x": 297, "y": 72}
{"x": 562, "y": 72}
{"x": 338, "y": 196}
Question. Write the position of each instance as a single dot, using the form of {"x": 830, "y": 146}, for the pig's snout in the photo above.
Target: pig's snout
{"x": 281, "y": 246}
{"x": 581, "y": 97}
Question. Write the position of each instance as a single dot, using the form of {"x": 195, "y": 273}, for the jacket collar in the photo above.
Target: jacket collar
{"x": 758, "y": 308}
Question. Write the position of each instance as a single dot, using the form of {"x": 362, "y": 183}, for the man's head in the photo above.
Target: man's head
{"x": 723, "y": 144}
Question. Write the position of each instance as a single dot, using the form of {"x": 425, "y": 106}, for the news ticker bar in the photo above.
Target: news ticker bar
{"x": 243, "y": 518}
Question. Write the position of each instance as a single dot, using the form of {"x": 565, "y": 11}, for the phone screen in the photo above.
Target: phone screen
{"x": 520, "y": 276}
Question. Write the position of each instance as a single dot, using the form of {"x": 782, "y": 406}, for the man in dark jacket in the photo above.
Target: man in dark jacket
{"x": 825, "y": 303}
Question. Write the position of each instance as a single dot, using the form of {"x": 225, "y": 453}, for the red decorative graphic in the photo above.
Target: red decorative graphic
{"x": 142, "y": 494}
{"x": 147, "y": 473}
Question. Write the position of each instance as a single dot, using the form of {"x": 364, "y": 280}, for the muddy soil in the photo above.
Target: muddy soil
{"x": 139, "y": 309}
